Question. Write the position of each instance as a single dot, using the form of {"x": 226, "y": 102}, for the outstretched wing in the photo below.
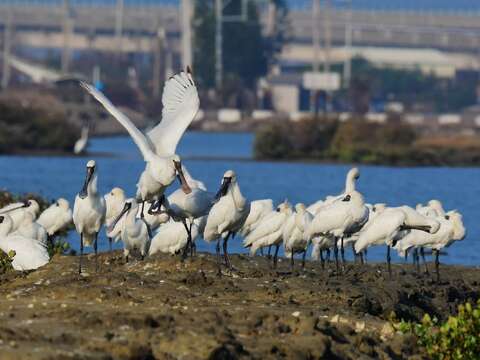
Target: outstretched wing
{"x": 138, "y": 137}
{"x": 180, "y": 105}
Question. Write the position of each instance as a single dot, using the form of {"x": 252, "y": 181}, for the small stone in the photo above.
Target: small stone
{"x": 387, "y": 331}
{"x": 63, "y": 306}
{"x": 359, "y": 326}
{"x": 296, "y": 313}
{"x": 30, "y": 306}
{"x": 335, "y": 319}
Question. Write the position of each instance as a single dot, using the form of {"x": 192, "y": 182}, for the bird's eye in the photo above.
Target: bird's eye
{"x": 57, "y": 204}
{"x": 447, "y": 217}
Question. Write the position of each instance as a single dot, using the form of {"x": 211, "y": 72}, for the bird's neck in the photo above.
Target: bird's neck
{"x": 349, "y": 184}
{"x": 238, "y": 199}
{"x": 92, "y": 187}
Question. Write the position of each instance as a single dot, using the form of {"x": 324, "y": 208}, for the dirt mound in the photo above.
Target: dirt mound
{"x": 165, "y": 309}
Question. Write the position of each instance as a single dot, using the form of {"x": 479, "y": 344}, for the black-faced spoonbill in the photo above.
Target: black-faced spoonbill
{"x": 227, "y": 215}
{"x": 89, "y": 213}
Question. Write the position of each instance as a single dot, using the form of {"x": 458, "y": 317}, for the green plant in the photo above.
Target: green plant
{"x": 6, "y": 261}
{"x": 458, "y": 338}
{"x": 58, "y": 246}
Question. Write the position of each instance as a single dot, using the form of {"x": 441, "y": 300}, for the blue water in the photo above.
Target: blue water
{"x": 410, "y": 5}
{"x": 457, "y": 188}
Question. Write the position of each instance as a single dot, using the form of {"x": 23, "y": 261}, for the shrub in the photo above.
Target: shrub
{"x": 6, "y": 261}
{"x": 456, "y": 339}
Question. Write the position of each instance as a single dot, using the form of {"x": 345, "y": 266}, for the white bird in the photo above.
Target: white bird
{"x": 30, "y": 229}
{"x": 114, "y": 203}
{"x": 227, "y": 215}
{"x": 89, "y": 212}
{"x": 189, "y": 206}
{"x": 340, "y": 219}
{"x": 350, "y": 185}
{"x": 56, "y": 217}
{"x": 295, "y": 239}
{"x": 172, "y": 237}
{"x": 269, "y": 231}
{"x": 29, "y": 253}
{"x": 451, "y": 229}
{"x": 258, "y": 210}
{"x": 135, "y": 234}
{"x": 17, "y": 211}
{"x": 387, "y": 227}
{"x": 81, "y": 144}
{"x": 158, "y": 147}
{"x": 319, "y": 245}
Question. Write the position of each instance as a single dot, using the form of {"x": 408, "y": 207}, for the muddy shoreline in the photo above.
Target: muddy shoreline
{"x": 164, "y": 309}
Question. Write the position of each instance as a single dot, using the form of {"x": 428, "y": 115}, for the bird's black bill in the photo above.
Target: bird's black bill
{"x": 181, "y": 177}
{"x": 126, "y": 208}
{"x": 24, "y": 205}
{"x": 224, "y": 188}
{"x": 425, "y": 228}
{"x": 83, "y": 193}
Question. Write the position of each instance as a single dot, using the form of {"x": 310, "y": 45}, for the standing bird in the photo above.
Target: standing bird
{"x": 339, "y": 219}
{"x": 227, "y": 215}
{"x": 29, "y": 253}
{"x": 180, "y": 105}
{"x": 114, "y": 203}
{"x": 89, "y": 213}
{"x": 56, "y": 217}
{"x": 183, "y": 206}
{"x": 451, "y": 229}
{"x": 387, "y": 226}
{"x": 135, "y": 234}
{"x": 295, "y": 239}
{"x": 269, "y": 231}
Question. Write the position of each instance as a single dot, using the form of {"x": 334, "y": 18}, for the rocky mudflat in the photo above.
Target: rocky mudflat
{"x": 162, "y": 308}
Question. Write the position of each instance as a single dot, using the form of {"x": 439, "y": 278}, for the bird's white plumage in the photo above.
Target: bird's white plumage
{"x": 172, "y": 237}
{"x": 134, "y": 232}
{"x": 258, "y": 210}
{"x": 295, "y": 238}
{"x": 29, "y": 253}
{"x": 17, "y": 212}
{"x": 29, "y": 228}
{"x": 56, "y": 217}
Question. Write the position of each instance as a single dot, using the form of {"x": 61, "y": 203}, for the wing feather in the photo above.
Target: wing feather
{"x": 180, "y": 105}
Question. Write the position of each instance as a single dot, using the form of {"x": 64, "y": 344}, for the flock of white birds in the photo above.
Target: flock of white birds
{"x": 151, "y": 222}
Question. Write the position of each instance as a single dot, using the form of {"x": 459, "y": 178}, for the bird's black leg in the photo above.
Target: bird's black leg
{"x": 218, "y": 257}
{"x": 261, "y": 251}
{"x": 81, "y": 254}
{"x": 303, "y": 258}
{"x": 322, "y": 260}
{"x": 292, "y": 263}
{"x": 95, "y": 248}
{"x": 189, "y": 239}
{"x": 406, "y": 255}
{"x": 365, "y": 255}
{"x": 142, "y": 215}
{"x": 422, "y": 253}
{"x": 275, "y": 256}
{"x": 360, "y": 254}
{"x": 342, "y": 253}
{"x": 328, "y": 255}
{"x": 437, "y": 264}
{"x": 355, "y": 255}
{"x": 269, "y": 252}
{"x": 335, "y": 253}
{"x": 225, "y": 251}
{"x": 417, "y": 260}
{"x": 192, "y": 244}
{"x": 110, "y": 244}
{"x": 388, "y": 261}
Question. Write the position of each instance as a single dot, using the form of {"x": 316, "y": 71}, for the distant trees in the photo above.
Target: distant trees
{"x": 247, "y": 52}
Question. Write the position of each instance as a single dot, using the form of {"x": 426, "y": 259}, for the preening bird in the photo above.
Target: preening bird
{"x": 386, "y": 228}
{"x": 17, "y": 211}
{"x": 29, "y": 228}
{"x": 258, "y": 210}
{"x": 269, "y": 231}
{"x": 56, "y": 217}
{"x": 180, "y": 105}
{"x": 114, "y": 203}
{"x": 172, "y": 237}
{"x": 29, "y": 253}
{"x": 89, "y": 212}
{"x": 134, "y": 234}
{"x": 227, "y": 215}
{"x": 339, "y": 219}
{"x": 295, "y": 238}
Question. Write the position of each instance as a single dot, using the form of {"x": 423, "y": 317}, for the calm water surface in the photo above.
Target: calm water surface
{"x": 458, "y": 188}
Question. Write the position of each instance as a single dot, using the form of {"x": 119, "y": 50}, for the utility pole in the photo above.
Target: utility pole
{"x": 7, "y": 45}
{"x": 347, "y": 65}
{"x": 157, "y": 61}
{"x": 67, "y": 25}
{"x": 119, "y": 25}
{"x": 187, "y": 14}
{"x": 218, "y": 44}
{"x": 316, "y": 51}
{"x": 328, "y": 42}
